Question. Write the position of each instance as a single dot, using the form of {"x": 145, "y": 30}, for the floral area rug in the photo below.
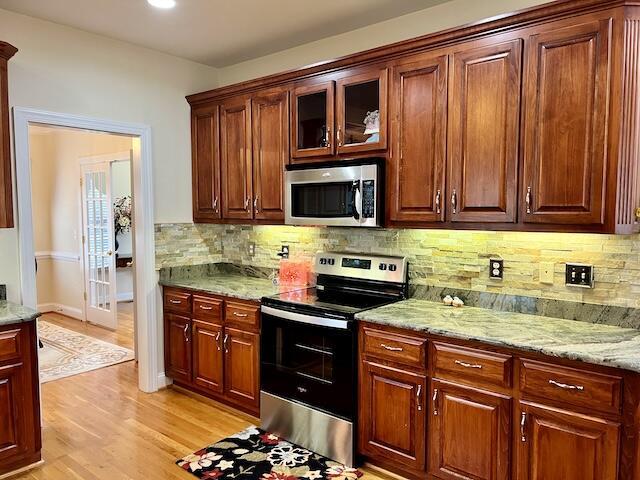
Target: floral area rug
{"x": 65, "y": 352}
{"x": 254, "y": 454}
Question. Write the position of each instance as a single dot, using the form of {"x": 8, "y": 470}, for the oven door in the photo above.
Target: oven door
{"x": 311, "y": 364}
{"x": 338, "y": 196}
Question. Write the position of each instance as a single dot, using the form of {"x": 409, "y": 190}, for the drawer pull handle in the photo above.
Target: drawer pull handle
{"x": 468, "y": 365}
{"x": 566, "y": 386}
{"x": 186, "y": 333}
{"x": 205, "y": 307}
{"x": 175, "y": 302}
{"x": 218, "y": 341}
{"x": 419, "y": 397}
{"x": 523, "y": 424}
{"x": 391, "y": 349}
{"x": 435, "y": 402}
{"x": 224, "y": 343}
{"x": 241, "y": 315}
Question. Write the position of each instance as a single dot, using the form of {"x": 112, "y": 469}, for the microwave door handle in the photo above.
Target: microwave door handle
{"x": 356, "y": 199}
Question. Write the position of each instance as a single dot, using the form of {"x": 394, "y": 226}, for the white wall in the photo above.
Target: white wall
{"x": 429, "y": 20}
{"x": 67, "y": 70}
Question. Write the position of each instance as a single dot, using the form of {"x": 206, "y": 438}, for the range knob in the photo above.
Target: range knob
{"x": 392, "y": 267}
{"x": 332, "y": 261}
{"x": 323, "y": 261}
{"x": 383, "y": 266}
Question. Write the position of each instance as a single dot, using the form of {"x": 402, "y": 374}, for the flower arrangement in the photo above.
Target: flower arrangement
{"x": 122, "y": 214}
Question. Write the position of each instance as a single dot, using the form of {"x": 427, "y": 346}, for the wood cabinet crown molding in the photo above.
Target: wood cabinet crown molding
{"x": 493, "y": 25}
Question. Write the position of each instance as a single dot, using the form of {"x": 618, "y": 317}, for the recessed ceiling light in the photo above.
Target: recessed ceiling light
{"x": 162, "y": 3}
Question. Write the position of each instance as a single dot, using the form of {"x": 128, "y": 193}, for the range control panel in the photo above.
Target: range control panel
{"x": 368, "y": 199}
{"x": 368, "y": 267}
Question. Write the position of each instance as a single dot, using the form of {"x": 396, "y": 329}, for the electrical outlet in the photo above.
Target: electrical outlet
{"x": 284, "y": 251}
{"x": 251, "y": 249}
{"x": 579, "y": 275}
{"x": 496, "y": 268}
{"x": 546, "y": 272}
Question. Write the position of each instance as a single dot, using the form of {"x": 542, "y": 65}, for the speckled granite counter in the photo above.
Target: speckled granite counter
{"x": 11, "y": 313}
{"x": 587, "y": 342}
{"x": 229, "y": 284}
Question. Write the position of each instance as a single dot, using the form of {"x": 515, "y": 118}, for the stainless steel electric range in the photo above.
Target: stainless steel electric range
{"x": 309, "y": 350}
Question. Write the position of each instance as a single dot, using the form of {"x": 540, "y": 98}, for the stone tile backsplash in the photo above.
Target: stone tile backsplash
{"x": 440, "y": 258}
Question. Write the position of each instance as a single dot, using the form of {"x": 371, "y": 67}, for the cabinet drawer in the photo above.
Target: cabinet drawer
{"x": 177, "y": 301}
{"x": 207, "y": 309}
{"x": 395, "y": 347}
{"x": 10, "y": 342}
{"x": 453, "y": 362}
{"x": 242, "y": 314}
{"x": 570, "y": 385}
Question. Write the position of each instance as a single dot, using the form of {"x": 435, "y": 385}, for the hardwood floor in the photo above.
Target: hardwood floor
{"x": 98, "y": 425}
{"x": 122, "y": 336}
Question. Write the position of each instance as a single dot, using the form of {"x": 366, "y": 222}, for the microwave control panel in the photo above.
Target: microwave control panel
{"x": 368, "y": 199}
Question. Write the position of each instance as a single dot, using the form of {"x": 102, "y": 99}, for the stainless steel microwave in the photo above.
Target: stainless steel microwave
{"x": 348, "y": 194}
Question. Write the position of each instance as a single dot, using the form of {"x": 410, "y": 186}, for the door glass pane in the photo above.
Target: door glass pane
{"x": 319, "y": 200}
{"x": 312, "y": 120}
{"x": 362, "y": 113}
{"x": 98, "y": 239}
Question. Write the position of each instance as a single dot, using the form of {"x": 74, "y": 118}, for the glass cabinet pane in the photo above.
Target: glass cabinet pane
{"x": 362, "y": 113}
{"x": 312, "y": 120}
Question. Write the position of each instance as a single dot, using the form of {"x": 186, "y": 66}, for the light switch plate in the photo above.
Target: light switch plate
{"x": 579, "y": 275}
{"x": 546, "y": 272}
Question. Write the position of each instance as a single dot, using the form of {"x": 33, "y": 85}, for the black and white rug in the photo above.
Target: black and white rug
{"x": 256, "y": 454}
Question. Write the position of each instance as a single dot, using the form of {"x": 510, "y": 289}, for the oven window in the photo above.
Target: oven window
{"x": 322, "y": 200}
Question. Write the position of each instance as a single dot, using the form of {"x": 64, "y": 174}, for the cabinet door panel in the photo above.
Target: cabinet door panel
{"x": 241, "y": 366}
{"x": 469, "y": 433}
{"x": 178, "y": 347}
{"x": 235, "y": 133}
{"x": 357, "y": 97}
{"x": 392, "y": 415}
{"x": 565, "y": 124}
{"x": 207, "y": 356}
{"x": 416, "y": 166}
{"x": 484, "y": 132}
{"x": 312, "y": 118}
{"x": 205, "y": 163}
{"x": 12, "y": 412}
{"x": 270, "y": 153}
{"x": 560, "y": 445}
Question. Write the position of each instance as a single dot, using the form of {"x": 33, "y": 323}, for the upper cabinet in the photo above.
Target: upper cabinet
{"x": 340, "y": 117}
{"x": 419, "y": 132}
{"x": 529, "y": 121}
{"x": 6, "y": 193}
{"x": 483, "y": 132}
{"x": 565, "y": 125}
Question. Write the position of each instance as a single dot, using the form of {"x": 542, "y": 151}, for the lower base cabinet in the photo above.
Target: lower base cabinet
{"x": 393, "y": 415}
{"x": 212, "y": 346}
{"x": 561, "y": 445}
{"x": 469, "y": 433}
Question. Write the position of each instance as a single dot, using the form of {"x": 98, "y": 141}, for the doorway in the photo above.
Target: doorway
{"x": 144, "y": 281}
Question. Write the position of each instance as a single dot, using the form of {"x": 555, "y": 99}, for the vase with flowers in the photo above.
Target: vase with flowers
{"x": 121, "y": 216}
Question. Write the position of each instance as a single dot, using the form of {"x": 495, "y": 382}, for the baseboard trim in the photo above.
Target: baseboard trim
{"x": 22, "y": 470}
{"x": 63, "y": 256}
{"x": 63, "y": 309}
{"x": 163, "y": 381}
{"x": 124, "y": 297}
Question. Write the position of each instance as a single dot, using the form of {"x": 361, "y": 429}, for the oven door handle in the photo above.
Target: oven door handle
{"x": 356, "y": 199}
{"x": 310, "y": 319}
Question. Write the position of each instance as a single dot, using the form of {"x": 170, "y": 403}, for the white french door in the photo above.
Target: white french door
{"x": 98, "y": 245}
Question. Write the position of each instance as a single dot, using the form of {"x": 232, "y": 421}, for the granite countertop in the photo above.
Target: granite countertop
{"x": 588, "y": 342}
{"x": 11, "y": 313}
{"x": 230, "y": 285}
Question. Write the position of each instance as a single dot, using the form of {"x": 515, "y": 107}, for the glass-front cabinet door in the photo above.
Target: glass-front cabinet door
{"x": 361, "y": 104}
{"x": 313, "y": 120}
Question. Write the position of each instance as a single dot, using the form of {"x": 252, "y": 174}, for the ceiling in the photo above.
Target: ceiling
{"x": 218, "y": 32}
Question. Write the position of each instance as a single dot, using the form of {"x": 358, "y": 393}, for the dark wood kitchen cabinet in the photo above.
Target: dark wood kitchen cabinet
{"x": 393, "y": 415}
{"x": 20, "y": 433}
{"x": 270, "y": 122}
{"x": 565, "y": 123}
{"x": 210, "y": 350}
{"x": 561, "y": 445}
{"x": 527, "y": 121}
{"x": 205, "y": 163}
{"x": 469, "y": 433}
{"x": 6, "y": 182}
{"x": 484, "y": 132}
{"x": 419, "y": 137}
{"x": 236, "y": 158}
